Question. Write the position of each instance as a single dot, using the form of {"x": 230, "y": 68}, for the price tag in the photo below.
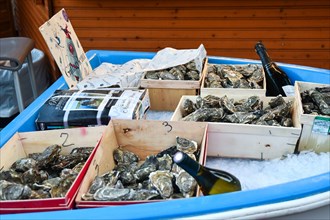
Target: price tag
{"x": 288, "y": 90}
{"x": 321, "y": 125}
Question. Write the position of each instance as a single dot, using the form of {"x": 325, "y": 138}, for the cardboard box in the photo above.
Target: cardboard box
{"x": 315, "y": 134}
{"x": 248, "y": 140}
{"x": 24, "y": 143}
{"x": 232, "y": 91}
{"x": 142, "y": 137}
{"x": 64, "y": 45}
{"x": 166, "y": 94}
{"x": 75, "y": 108}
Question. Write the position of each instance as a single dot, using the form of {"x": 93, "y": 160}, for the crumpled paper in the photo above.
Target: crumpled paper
{"x": 128, "y": 75}
{"x": 169, "y": 57}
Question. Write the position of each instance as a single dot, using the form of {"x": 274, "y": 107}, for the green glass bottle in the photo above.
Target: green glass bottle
{"x": 278, "y": 83}
{"x": 211, "y": 181}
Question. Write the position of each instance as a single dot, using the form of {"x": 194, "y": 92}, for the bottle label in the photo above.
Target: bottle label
{"x": 321, "y": 125}
{"x": 288, "y": 90}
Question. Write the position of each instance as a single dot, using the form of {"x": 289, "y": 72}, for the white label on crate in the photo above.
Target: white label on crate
{"x": 288, "y": 90}
{"x": 321, "y": 125}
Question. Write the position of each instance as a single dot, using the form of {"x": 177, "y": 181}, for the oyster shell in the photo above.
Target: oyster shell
{"x": 109, "y": 193}
{"x": 14, "y": 191}
{"x": 121, "y": 156}
{"x": 97, "y": 183}
{"x": 188, "y": 107}
{"x": 162, "y": 181}
{"x": 152, "y": 75}
{"x": 49, "y": 155}
{"x": 62, "y": 188}
{"x": 165, "y": 162}
{"x": 10, "y": 175}
{"x": 186, "y": 145}
{"x": 186, "y": 183}
{"x": 24, "y": 164}
{"x": 205, "y": 114}
{"x": 34, "y": 175}
{"x": 234, "y": 76}
{"x": 166, "y": 75}
{"x": 150, "y": 165}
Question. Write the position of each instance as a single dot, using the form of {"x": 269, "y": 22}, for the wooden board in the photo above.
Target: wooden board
{"x": 166, "y": 94}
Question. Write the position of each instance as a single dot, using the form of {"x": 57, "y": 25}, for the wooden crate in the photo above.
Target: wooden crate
{"x": 142, "y": 137}
{"x": 232, "y": 91}
{"x": 22, "y": 144}
{"x": 247, "y": 140}
{"x": 311, "y": 137}
{"x": 165, "y": 95}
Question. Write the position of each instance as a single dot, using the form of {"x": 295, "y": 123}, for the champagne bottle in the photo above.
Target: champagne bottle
{"x": 211, "y": 181}
{"x": 277, "y": 82}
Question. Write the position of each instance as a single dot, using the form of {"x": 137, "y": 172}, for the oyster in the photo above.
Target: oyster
{"x": 165, "y": 162}
{"x": 186, "y": 145}
{"x": 34, "y": 176}
{"x": 24, "y": 164}
{"x": 14, "y": 191}
{"x": 49, "y": 155}
{"x": 177, "y": 72}
{"x": 11, "y": 176}
{"x": 126, "y": 173}
{"x": 188, "y": 107}
{"x": 121, "y": 156}
{"x": 227, "y": 104}
{"x": 192, "y": 75}
{"x": 166, "y": 75}
{"x": 62, "y": 188}
{"x": 210, "y": 101}
{"x": 152, "y": 75}
{"x": 150, "y": 165}
{"x": 162, "y": 181}
{"x": 205, "y": 114}
{"x": 109, "y": 193}
{"x": 319, "y": 100}
{"x": 145, "y": 194}
{"x": 186, "y": 183}
{"x": 97, "y": 183}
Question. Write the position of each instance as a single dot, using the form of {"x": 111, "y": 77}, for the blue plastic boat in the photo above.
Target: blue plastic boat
{"x": 306, "y": 198}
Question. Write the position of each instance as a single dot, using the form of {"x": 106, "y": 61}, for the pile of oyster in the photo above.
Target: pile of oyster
{"x": 158, "y": 177}
{"x": 316, "y": 101}
{"x": 249, "y": 76}
{"x": 42, "y": 175}
{"x": 186, "y": 71}
{"x": 246, "y": 111}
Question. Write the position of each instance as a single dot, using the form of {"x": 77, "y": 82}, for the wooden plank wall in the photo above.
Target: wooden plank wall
{"x": 294, "y": 31}
{"x": 7, "y": 28}
{"x": 29, "y": 16}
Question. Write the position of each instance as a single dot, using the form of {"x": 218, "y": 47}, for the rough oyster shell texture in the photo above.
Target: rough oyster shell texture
{"x": 42, "y": 175}
{"x": 316, "y": 101}
{"x": 248, "y": 76}
{"x": 187, "y": 71}
{"x": 245, "y": 111}
{"x": 157, "y": 177}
